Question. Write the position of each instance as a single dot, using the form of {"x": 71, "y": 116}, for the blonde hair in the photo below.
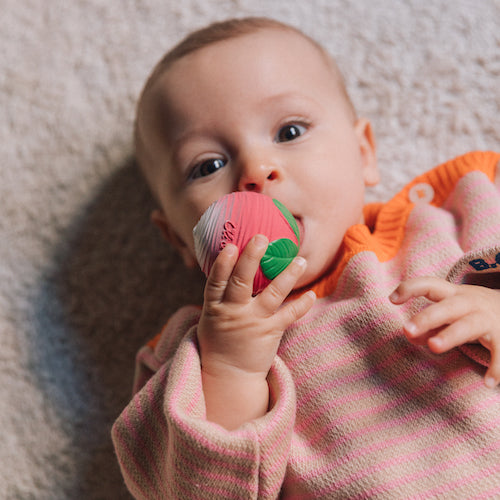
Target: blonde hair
{"x": 214, "y": 33}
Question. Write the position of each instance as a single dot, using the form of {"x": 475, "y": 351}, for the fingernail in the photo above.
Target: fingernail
{"x": 230, "y": 249}
{"x": 394, "y": 296}
{"x": 410, "y": 327}
{"x": 436, "y": 342}
{"x": 300, "y": 261}
{"x": 490, "y": 382}
{"x": 260, "y": 241}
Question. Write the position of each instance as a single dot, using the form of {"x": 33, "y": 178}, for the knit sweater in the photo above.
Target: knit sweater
{"x": 356, "y": 410}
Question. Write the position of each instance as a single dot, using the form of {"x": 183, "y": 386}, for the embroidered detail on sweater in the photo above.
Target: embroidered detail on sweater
{"x": 482, "y": 265}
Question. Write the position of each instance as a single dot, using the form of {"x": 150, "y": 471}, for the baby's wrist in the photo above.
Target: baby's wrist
{"x": 233, "y": 397}
{"x": 218, "y": 369}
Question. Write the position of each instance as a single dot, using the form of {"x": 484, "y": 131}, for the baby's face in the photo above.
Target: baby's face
{"x": 261, "y": 112}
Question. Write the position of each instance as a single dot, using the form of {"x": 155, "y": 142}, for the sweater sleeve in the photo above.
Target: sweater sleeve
{"x": 480, "y": 268}
{"x": 167, "y": 449}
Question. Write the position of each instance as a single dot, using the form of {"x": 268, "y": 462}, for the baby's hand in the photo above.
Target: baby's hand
{"x": 239, "y": 334}
{"x": 460, "y": 314}
{"x": 242, "y": 331}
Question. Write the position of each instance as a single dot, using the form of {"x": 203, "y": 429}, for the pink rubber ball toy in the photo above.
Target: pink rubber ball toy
{"x": 236, "y": 218}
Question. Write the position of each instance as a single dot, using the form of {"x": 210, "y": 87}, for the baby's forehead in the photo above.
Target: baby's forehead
{"x": 295, "y": 58}
{"x": 272, "y": 37}
{"x": 273, "y": 61}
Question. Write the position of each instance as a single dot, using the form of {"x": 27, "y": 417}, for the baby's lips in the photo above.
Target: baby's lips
{"x": 236, "y": 218}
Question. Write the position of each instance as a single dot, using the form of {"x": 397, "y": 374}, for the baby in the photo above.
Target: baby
{"x": 336, "y": 380}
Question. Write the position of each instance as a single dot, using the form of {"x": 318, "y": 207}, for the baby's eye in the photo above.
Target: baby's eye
{"x": 207, "y": 167}
{"x": 290, "y": 132}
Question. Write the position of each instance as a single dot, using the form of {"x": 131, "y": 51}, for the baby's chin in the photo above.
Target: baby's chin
{"x": 307, "y": 280}
{"x": 315, "y": 272}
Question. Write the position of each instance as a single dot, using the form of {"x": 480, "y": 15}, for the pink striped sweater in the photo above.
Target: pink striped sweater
{"x": 357, "y": 411}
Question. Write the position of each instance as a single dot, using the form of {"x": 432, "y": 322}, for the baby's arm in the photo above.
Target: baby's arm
{"x": 460, "y": 314}
{"x": 239, "y": 334}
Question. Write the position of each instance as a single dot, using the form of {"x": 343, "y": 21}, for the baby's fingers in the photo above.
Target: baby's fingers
{"x": 278, "y": 290}
{"x": 295, "y": 309}
{"x": 436, "y": 316}
{"x": 240, "y": 285}
{"x": 492, "y": 377}
{"x": 466, "y": 329}
{"x": 220, "y": 274}
{"x": 434, "y": 289}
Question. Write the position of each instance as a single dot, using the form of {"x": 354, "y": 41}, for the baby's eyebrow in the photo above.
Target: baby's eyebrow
{"x": 184, "y": 138}
{"x": 289, "y": 97}
{"x": 177, "y": 144}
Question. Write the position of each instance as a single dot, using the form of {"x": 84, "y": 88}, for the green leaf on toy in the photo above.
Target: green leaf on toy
{"x": 278, "y": 255}
{"x": 289, "y": 217}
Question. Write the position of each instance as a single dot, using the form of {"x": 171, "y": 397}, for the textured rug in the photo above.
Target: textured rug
{"x": 84, "y": 278}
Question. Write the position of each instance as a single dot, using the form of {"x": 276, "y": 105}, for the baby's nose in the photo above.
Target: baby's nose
{"x": 257, "y": 176}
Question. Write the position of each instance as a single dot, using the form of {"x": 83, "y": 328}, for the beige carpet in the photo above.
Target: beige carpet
{"x": 84, "y": 279}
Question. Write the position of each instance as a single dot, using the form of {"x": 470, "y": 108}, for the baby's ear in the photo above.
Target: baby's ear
{"x": 368, "y": 150}
{"x": 160, "y": 221}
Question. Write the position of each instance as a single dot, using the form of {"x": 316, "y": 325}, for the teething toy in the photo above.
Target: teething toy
{"x": 236, "y": 218}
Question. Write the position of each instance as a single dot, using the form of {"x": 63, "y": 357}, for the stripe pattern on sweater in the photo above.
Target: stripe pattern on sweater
{"x": 357, "y": 411}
